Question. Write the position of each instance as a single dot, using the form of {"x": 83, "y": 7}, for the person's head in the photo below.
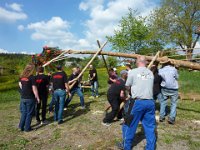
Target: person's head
{"x": 91, "y": 66}
{"x": 165, "y": 61}
{"x": 75, "y": 70}
{"x": 141, "y": 61}
{"x": 78, "y": 68}
{"x": 28, "y": 71}
{"x": 124, "y": 74}
{"x": 59, "y": 68}
{"x": 40, "y": 69}
{"x": 128, "y": 66}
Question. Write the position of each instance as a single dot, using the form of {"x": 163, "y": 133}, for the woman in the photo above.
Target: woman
{"x": 29, "y": 93}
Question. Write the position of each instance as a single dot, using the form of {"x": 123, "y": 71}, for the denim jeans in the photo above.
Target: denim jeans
{"x": 27, "y": 108}
{"x": 173, "y": 94}
{"x": 79, "y": 93}
{"x": 144, "y": 111}
{"x": 59, "y": 96}
{"x": 95, "y": 89}
{"x": 52, "y": 103}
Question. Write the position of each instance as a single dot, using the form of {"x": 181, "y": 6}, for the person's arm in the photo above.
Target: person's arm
{"x": 67, "y": 89}
{"x": 35, "y": 91}
{"x": 20, "y": 85}
{"x": 176, "y": 74}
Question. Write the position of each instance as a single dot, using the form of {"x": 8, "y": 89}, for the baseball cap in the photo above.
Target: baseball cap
{"x": 123, "y": 72}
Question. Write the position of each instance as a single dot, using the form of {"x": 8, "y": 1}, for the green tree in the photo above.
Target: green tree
{"x": 176, "y": 22}
{"x": 112, "y": 61}
{"x": 134, "y": 36}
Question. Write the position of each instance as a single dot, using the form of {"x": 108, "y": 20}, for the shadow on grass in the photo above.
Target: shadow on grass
{"x": 186, "y": 109}
{"x": 70, "y": 112}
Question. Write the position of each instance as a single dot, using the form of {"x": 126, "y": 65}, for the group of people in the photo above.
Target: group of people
{"x": 34, "y": 90}
{"x": 139, "y": 88}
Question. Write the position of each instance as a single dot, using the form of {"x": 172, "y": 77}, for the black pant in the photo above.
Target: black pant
{"x": 114, "y": 101}
{"x": 43, "y": 102}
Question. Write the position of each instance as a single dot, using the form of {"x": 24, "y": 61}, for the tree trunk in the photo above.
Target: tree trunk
{"x": 180, "y": 63}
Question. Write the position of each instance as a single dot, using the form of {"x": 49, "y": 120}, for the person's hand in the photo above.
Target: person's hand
{"x": 69, "y": 94}
{"x": 38, "y": 100}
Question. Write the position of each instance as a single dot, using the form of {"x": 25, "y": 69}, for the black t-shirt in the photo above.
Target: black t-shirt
{"x": 59, "y": 79}
{"x": 112, "y": 76}
{"x": 156, "y": 85}
{"x": 71, "y": 77}
{"x": 91, "y": 72}
{"x": 116, "y": 87}
{"x": 26, "y": 91}
{"x": 42, "y": 81}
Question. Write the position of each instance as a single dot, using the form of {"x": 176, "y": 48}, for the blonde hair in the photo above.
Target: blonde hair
{"x": 28, "y": 71}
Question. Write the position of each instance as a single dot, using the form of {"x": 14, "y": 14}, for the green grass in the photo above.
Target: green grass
{"x": 189, "y": 81}
{"x": 84, "y": 126}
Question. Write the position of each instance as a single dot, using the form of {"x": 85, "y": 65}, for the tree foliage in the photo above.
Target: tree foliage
{"x": 134, "y": 36}
{"x": 176, "y": 22}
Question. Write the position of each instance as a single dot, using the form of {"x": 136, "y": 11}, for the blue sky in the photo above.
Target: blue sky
{"x": 28, "y": 25}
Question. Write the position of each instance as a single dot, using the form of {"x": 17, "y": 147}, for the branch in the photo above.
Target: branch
{"x": 195, "y": 42}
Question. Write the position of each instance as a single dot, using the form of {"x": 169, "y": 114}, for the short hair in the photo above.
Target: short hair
{"x": 141, "y": 59}
{"x": 59, "y": 67}
{"x": 40, "y": 69}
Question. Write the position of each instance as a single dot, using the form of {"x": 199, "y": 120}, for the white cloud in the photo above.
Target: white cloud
{"x": 3, "y": 50}
{"x": 12, "y": 15}
{"x": 104, "y": 17}
{"x": 14, "y": 6}
{"x": 55, "y": 32}
{"x": 20, "y": 27}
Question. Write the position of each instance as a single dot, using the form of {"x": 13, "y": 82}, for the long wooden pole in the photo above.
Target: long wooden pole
{"x": 95, "y": 55}
{"x": 104, "y": 60}
{"x": 180, "y": 63}
{"x": 153, "y": 60}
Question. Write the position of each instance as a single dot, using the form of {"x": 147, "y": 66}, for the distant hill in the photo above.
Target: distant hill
{"x": 13, "y": 63}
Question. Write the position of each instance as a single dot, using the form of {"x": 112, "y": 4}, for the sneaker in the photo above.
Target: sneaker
{"x": 171, "y": 121}
{"x": 38, "y": 122}
{"x": 91, "y": 97}
{"x": 44, "y": 122}
{"x": 162, "y": 119}
{"x": 82, "y": 107}
{"x": 65, "y": 108}
{"x": 97, "y": 96}
{"x": 106, "y": 124}
{"x": 60, "y": 122}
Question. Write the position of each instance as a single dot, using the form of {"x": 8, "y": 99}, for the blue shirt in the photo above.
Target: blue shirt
{"x": 169, "y": 75}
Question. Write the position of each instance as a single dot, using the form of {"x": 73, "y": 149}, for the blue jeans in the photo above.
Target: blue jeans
{"x": 59, "y": 97}
{"x": 144, "y": 111}
{"x": 79, "y": 93}
{"x": 27, "y": 108}
{"x": 173, "y": 94}
{"x": 95, "y": 89}
{"x": 52, "y": 103}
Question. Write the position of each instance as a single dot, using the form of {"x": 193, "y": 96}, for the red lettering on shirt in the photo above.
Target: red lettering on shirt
{"x": 24, "y": 79}
{"x": 117, "y": 82}
{"x": 57, "y": 76}
{"x": 39, "y": 81}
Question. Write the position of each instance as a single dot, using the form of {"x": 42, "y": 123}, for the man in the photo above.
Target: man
{"x": 140, "y": 81}
{"x": 94, "y": 81}
{"x": 42, "y": 82}
{"x": 114, "y": 95}
{"x": 60, "y": 87}
{"x": 169, "y": 88}
{"x": 75, "y": 88}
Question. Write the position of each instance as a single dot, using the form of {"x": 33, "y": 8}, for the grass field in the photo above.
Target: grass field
{"x": 82, "y": 129}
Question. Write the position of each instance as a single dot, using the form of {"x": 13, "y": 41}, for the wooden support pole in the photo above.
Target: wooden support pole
{"x": 104, "y": 60}
{"x": 95, "y": 55}
{"x": 153, "y": 60}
